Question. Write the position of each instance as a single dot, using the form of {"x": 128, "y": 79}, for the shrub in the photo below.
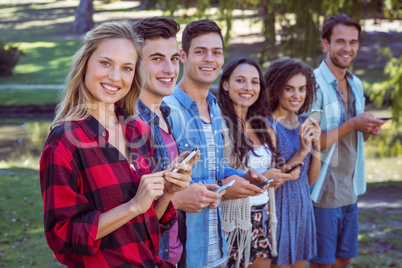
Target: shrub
{"x": 9, "y": 57}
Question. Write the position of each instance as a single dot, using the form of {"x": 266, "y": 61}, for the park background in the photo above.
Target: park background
{"x": 49, "y": 33}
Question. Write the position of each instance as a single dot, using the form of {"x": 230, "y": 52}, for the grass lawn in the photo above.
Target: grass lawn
{"x": 22, "y": 240}
{"x": 45, "y": 62}
{"x": 28, "y": 96}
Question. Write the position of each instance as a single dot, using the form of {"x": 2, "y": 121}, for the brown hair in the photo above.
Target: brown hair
{"x": 338, "y": 19}
{"x": 74, "y": 106}
{"x": 197, "y": 28}
{"x": 257, "y": 115}
{"x": 279, "y": 73}
{"x": 155, "y": 27}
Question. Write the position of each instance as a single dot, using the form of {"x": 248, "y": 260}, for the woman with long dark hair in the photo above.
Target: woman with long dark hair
{"x": 249, "y": 143}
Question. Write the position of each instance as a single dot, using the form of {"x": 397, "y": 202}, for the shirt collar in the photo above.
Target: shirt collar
{"x": 186, "y": 101}
{"x": 148, "y": 115}
{"x": 93, "y": 128}
{"x": 328, "y": 76}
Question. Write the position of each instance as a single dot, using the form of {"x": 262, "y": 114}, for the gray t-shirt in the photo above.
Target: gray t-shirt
{"x": 338, "y": 188}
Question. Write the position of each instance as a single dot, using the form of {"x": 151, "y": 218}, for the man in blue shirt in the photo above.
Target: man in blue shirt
{"x": 161, "y": 68}
{"x": 345, "y": 126}
{"x": 196, "y": 121}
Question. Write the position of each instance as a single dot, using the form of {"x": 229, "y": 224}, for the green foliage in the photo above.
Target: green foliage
{"x": 387, "y": 144}
{"x": 392, "y": 9}
{"x": 390, "y": 90}
{"x": 9, "y": 57}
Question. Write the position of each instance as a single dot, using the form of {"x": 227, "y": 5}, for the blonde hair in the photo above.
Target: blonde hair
{"x": 74, "y": 106}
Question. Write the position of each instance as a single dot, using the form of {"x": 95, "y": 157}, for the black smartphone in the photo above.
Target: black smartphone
{"x": 265, "y": 182}
{"x": 384, "y": 118}
{"x": 188, "y": 158}
{"x": 293, "y": 168}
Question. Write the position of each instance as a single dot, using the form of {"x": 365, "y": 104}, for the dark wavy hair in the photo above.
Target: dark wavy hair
{"x": 257, "y": 115}
{"x": 156, "y": 27}
{"x": 197, "y": 28}
{"x": 279, "y": 74}
{"x": 335, "y": 20}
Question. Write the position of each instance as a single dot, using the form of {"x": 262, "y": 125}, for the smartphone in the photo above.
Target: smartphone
{"x": 293, "y": 168}
{"x": 224, "y": 187}
{"x": 265, "y": 182}
{"x": 188, "y": 158}
{"x": 384, "y": 118}
{"x": 316, "y": 115}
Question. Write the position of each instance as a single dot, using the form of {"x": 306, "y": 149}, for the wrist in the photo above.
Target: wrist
{"x": 303, "y": 151}
{"x": 133, "y": 208}
{"x": 351, "y": 124}
{"x": 176, "y": 202}
{"x": 317, "y": 146}
{"x": 168, "y": 194}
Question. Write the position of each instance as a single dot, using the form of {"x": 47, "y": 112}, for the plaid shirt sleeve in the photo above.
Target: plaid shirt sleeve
{"x": 70, "y": 226}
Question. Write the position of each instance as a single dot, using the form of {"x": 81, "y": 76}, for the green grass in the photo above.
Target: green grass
{"x": 44, "y": 62}
{"x": 28, "y": 96}
{"x": 22, "y": 240}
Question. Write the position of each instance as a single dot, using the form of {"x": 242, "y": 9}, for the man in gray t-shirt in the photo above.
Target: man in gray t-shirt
{"x": 345, "y": 126}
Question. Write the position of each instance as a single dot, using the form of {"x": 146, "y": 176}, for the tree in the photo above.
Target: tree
{"x": 83, "y": 17}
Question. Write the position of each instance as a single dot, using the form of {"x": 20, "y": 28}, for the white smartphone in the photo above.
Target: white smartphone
{"x": 224, "y": 187}
{"x": 316, "y": 115}
{"x": 188, "y": 158}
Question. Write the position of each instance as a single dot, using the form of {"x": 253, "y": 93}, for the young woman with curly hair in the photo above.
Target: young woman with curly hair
{"x": 291, "y": 88}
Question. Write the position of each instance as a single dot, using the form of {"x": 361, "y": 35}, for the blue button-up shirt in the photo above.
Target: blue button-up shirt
{"x": 328, "y": 101}
{"x": 188, "y": 130}
{"x": 161, "y": 155}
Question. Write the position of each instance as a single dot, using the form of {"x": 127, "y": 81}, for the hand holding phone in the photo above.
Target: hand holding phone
{"x": 293, "y": 168}
{"x": 384, "y": 118}
{"x": 316, "y": 115}
{"x": 224, "y": 187}
{"x": 192, "y": 153}
{"x": 265, "y": 182}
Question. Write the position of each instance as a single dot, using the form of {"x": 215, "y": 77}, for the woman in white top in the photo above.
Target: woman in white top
{"x": 248, "y": 145}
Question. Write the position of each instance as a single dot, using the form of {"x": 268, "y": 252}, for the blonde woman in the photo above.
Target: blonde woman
{"x": 102, "y": 205}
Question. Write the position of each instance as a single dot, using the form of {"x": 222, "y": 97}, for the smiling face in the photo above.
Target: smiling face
{"x": 161, "y": 66}
{"x": 243, "y": 86}
{"x": 205, "y": 58}
{"x": 293, "y": 94}
{"x": 110, "y": 71}
{"x": 343, "y": 47}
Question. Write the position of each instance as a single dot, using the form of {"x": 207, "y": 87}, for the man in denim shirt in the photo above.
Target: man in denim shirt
{"x": 345, "y": 126}
{"x": 196, "y": 121}
{"x": 161, "y": 68}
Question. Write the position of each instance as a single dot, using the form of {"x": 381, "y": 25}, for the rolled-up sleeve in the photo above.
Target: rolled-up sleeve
{"x": 168, "y": 219}
{"x": 70, "y": 225}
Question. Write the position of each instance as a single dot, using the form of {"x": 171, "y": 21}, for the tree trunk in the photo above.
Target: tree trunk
{"x": 83, "y": 17}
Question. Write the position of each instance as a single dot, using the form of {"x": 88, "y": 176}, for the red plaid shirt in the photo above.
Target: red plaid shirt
{"x": 81, "y": 176}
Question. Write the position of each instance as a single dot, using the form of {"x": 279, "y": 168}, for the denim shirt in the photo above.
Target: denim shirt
{"x": 328, "y": 101}
{"x": 188, "y": 131}
{"x": 161, "y": 155}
